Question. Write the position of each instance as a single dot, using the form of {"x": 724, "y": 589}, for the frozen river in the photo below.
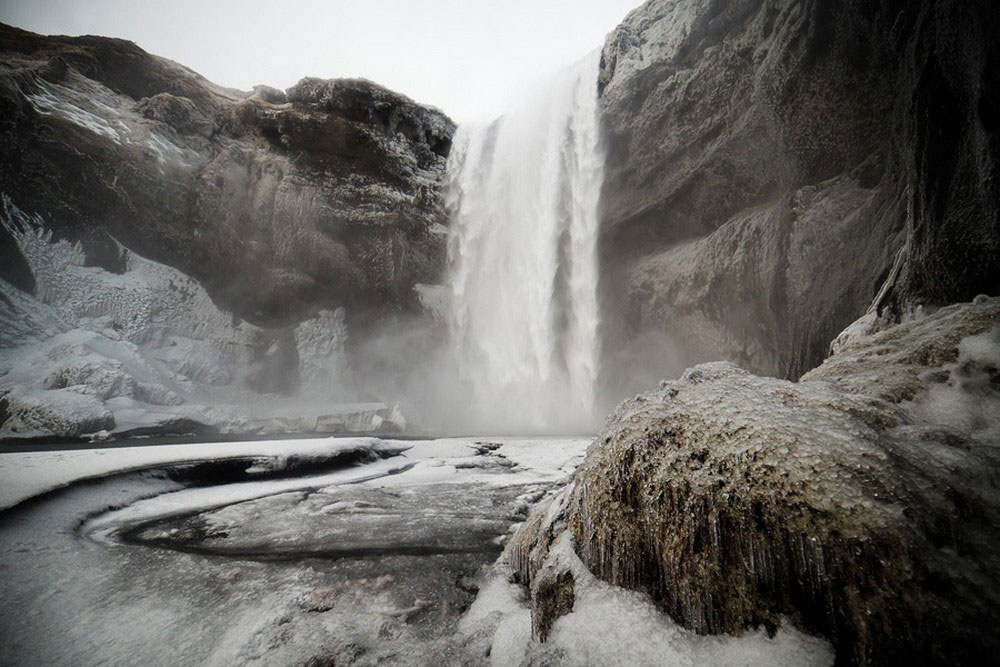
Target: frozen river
{"x": 267, "y": 552}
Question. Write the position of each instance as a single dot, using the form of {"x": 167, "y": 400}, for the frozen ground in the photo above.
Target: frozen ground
{"x": 335, "y": 551}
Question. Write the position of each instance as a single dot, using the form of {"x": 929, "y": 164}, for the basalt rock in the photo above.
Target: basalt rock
{"x": 769, "y": 162}
{"x": 858, "y": 503}
{"x": 280, "y": 205}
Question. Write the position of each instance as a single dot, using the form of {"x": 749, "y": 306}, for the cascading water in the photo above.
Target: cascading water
{"x": 523, "y": 257}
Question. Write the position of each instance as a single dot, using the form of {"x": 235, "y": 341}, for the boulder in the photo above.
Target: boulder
{"x": 858, "y": 503}
{"x": 56, "y": 413}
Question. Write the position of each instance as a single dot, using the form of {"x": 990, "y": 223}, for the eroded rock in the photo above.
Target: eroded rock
{"x": 279, "y": 205}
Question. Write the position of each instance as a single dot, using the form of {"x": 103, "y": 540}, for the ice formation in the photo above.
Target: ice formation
{"x": 524, "y": 196}
{"x": 857, "y": 503}
{"x": 442, "y": 509}
{"x": 143, "y": 517}
{"x": 147, "y": 349}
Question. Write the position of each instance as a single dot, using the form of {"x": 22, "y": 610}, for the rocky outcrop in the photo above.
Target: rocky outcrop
{"x": 771, "y": 160}
{"x": 859, "y": 502}
{"x": 173, "y": 253}
{"x": 279, "y": 204}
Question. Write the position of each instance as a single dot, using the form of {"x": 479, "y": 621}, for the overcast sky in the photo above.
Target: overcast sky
{"x": 467, "y": 57}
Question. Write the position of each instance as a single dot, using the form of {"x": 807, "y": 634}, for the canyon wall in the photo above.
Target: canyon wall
{"x": 773, "y": 164}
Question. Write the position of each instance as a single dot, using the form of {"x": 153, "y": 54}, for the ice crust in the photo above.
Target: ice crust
{"x": 24, "y": 475}
{"x": 612, "y": 626}
{"x": 858, "y": 503}
{"x": 235, "y": 610}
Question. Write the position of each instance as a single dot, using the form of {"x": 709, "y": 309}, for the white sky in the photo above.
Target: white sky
{"x": 467, "y": 57}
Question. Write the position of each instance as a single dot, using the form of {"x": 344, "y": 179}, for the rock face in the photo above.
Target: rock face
{"x": 859, "y": 502}
{"x": 279, "y": 204}
{"x": 181, "y": 255}
{"x": 773, "y": 163}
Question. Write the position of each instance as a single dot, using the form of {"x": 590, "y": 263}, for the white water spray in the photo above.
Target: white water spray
{"x": 523, "y": 257}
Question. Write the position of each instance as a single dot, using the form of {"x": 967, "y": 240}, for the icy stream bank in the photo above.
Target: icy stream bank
{"x": 248, "y": 553}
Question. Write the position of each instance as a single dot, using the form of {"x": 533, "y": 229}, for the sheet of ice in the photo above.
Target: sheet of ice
{"x": 513, "y": 461}
{"x": 453, "y": 461}
{"x": 203, "y": 498}
{"x": 27, "y": 474}
{"x": 113, "y": 601}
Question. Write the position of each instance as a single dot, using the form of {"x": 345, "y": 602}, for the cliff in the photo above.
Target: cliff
{"x": 278, "y": 203}
{"x": 176, "y": 256}
{"x": 776, "y": 165}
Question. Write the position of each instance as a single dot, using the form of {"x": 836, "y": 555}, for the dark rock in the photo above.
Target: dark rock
{"x": 768, "y": 160}
{"x": 278, "y": 211}
{"x": 270, "y": 95}
{"x": 553, "y": 598}
{"x": 179, "y": 113}
{"x": 169, "y": 427}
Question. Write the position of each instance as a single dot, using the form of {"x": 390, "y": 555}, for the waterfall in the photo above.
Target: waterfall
{"x": 523, "y": 257}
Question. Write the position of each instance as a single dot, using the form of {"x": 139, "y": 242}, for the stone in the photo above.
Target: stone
{"x": 270, "y": 95}
{"x": 179, "y": 113}
{"x": 58, "y": 413}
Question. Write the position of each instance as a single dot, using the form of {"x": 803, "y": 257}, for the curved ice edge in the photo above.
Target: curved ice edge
{"x": 189, "y": 499}
{"x": 302, "y": 455}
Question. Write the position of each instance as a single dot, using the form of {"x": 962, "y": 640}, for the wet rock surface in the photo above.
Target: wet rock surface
{"x": 858, "y": 503}
{"x": 770, "y": 160}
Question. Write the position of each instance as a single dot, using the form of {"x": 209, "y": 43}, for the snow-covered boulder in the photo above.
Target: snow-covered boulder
{"x": 58, "y": 413}
{"x": 859, "y": 503}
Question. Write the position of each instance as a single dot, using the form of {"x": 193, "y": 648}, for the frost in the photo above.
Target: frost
{"x": 323, "y": 365}
{"x": 63, "y": 104}
{"x": 61, "y": 412}
{"x": 611, "y": 626}
{"x": 965, "y": 395}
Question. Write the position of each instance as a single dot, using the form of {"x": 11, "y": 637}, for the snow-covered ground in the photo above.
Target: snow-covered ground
{"x": 160, "y": 558}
